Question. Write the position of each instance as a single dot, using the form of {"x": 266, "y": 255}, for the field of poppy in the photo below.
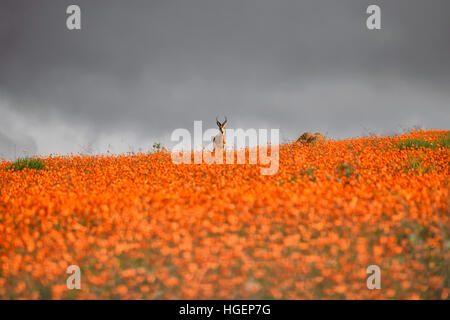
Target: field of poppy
{"x": 142, "y": 227}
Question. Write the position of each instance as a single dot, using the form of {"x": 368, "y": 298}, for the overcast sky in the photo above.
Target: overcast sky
{"x": 137, "y": 70}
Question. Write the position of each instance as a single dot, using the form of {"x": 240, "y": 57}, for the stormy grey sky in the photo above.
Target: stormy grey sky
{"x": 137, "y": 70}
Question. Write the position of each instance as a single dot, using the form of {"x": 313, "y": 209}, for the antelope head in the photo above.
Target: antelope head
{"x": 219, "y": 140}
{"x": 222, "y": 125}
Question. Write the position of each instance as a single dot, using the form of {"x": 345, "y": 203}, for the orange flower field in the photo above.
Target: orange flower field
{"x": 141, "y": 227}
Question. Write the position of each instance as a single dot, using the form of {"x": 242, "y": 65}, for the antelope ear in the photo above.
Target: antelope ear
{"x": 224, "y": 124}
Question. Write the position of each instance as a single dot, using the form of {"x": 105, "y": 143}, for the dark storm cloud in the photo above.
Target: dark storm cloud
{"x": 148, "y": 67}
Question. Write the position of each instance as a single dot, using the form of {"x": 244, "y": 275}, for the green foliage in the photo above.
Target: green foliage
{"x": 29, "y": 163}
{"x": 345, "y": 169}
{"x": 445, "y": 140}
{"x": 415, "y": 144}
{"x": 309, "y": 172}
{"x": 157, "y": 146}
{"x": 415, "y": 164}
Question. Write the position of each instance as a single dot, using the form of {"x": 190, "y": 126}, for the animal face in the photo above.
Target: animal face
{"x": 221, "y": 125}
{"x": 219, "y": 140}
